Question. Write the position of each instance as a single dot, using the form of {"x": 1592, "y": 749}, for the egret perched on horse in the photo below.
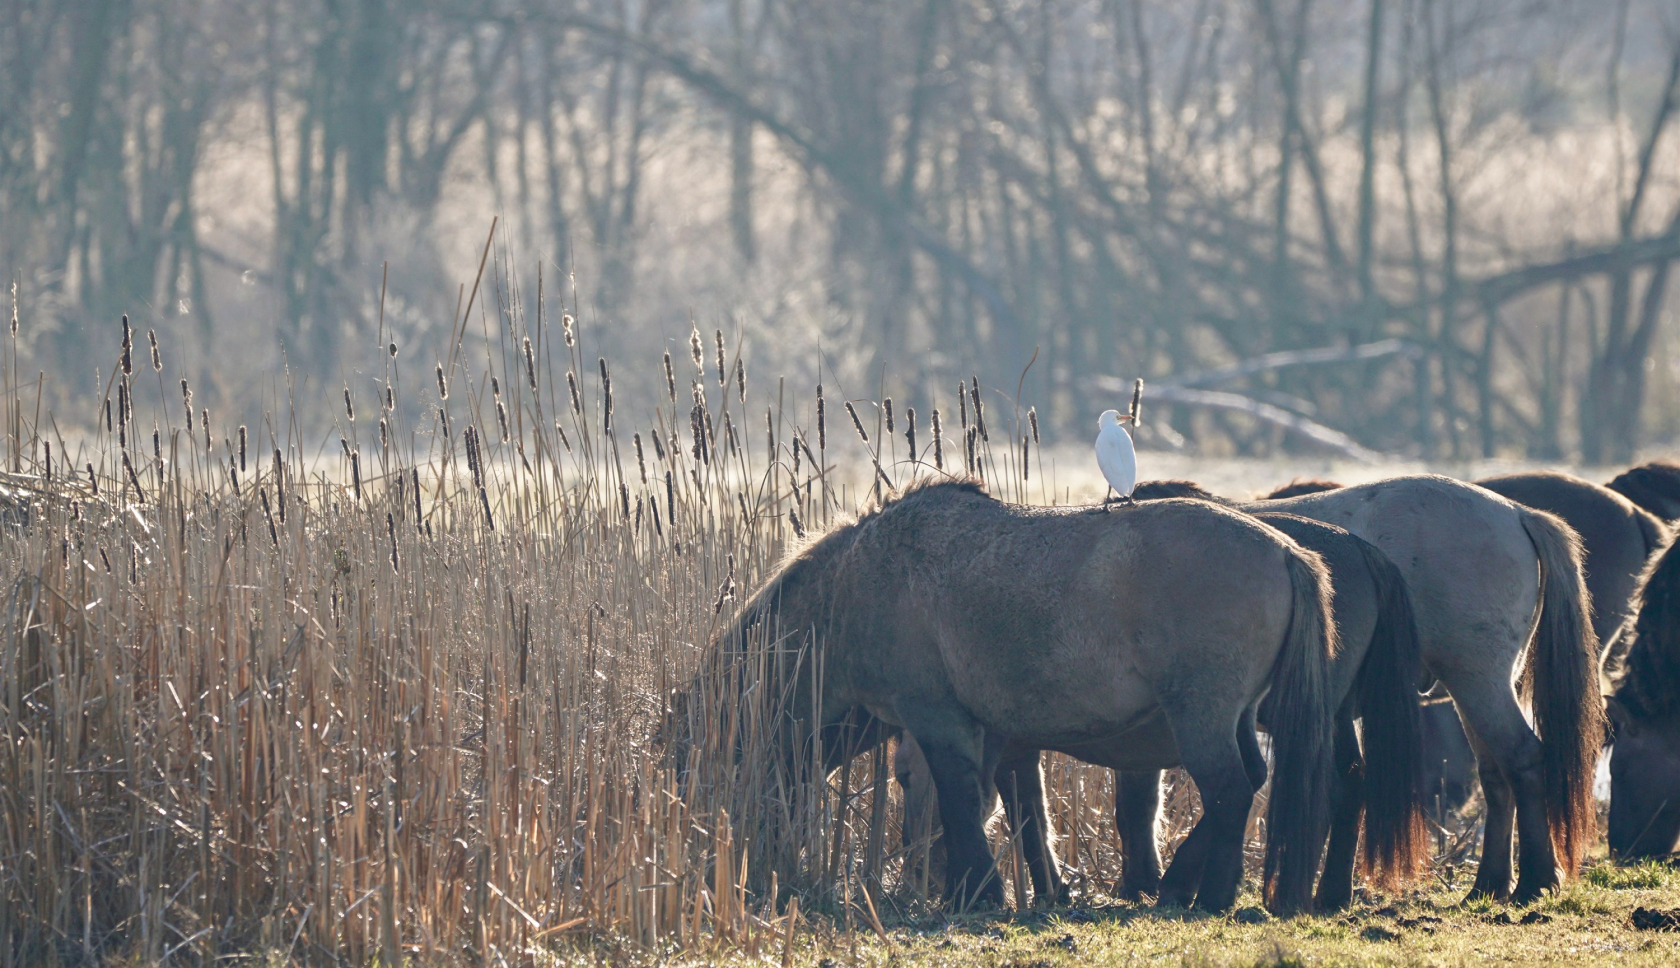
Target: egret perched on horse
{"x": 1115, "y": 454}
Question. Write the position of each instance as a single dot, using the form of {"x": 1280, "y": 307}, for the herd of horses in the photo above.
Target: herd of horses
{"x": 1345, "y": 622}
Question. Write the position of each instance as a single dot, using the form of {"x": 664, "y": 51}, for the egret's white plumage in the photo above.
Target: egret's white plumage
{"x": 1115, "y": 454}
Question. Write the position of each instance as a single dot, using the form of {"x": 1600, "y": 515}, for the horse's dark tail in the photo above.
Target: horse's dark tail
{"x": 1396, "y": 839}
{"x": 1562, "y": 676}
{"x": 1298, "y": 813}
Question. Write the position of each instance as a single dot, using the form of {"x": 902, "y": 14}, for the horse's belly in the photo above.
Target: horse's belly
{"x": 1147, "y": 745}
{"x": 1059, "y": 704}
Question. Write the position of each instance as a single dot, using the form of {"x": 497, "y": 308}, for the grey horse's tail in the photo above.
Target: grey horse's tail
{"x": 1562, "y": 678}
{"x": 1297, "y": 816}
{"x": 1396, "y": 839}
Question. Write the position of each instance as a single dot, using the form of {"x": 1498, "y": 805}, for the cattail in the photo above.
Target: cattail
{"x": 356, "y": 473}
{"x": 344, "y": 446}
{"x": 886, "y": 408}
{"x": 606, "y": 398}
{"x": 723, "y": 379}
{"x": 470, "y": 438}
{"x": 122, "y": 415}
{"x": 670, "y": 499}
{"x": 670, "y": 378}
{"x": 822, "y": 426}
{"x": 127, "y": 348}
{"x": 962, "y": 405}
{"x": 566, "y": 324}
{"x": 384, "y": 435}
{"x": 133, "y": 478}
{"x": 641, "y": 462}
{"x": 268, "y": 515}
{"x": 1026, "y": 448}
{"x": 242, "y": 448}
{"x": 972, "y": 434}
{"x": 280, "y": 484}
{"x": 46, "y": 442}
{"x": 186, "y": 396}
{"x": 443, "y": 384}
{"x": 349, "y": 408}
{"x": 796, "y": 456}
{"x": 793, "y": 519}
{"x": 770, "y": 432}
{"x": 157, "y": 357}
{"x": 697, "y": 430}
{"x": 979, "y": 412}
{"x": 392, "y": 349}
{"x": 852, "y": 412}
{"x": 696, "y": 349}
{"x": 565, "y": 441}
{"x": 1137, "y": 400}
{"x": 501, "y": 411}
{"x": 740, "y": 380}
{"x": 108, "y": 427}
{"x": 14, "y": 309}
{"x": 658, "y": 447}
{"x": 910, "y": 430}
{"x": 93, "y": 479}
{"x": 938, "y": 442}
{"x": 530, "y": 365}
{"x": 418, "y": 516}
{"x": 653, "y": 506}
{"x": 571, "y": 385}
{"x": 1032, "y": 421}
{"x": 624, "y": 498}
{"x": 157, "y": 445}
{"x": 443, "y": 418}
{"x": 390, "y": 398}
{"x": 728, "y": 434}
{"x": 204, "y": 419}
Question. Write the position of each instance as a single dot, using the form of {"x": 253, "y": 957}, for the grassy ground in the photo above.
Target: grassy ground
{"x": 1586, "y": 923}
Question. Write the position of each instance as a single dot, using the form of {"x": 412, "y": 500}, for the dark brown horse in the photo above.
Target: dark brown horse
{"x": 1654, "y": 487}
{"x": 1135, "y": 639}
{"x": 1645, "y": 707}
{"x": 1488, "y": 577}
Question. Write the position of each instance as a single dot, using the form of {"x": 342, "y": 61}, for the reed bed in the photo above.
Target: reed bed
{"x": 405, "y": 700}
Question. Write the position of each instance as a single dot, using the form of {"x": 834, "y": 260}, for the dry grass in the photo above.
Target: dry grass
{"x": 401, "y": 701}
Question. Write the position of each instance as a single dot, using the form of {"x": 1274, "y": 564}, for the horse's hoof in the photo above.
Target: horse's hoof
{"x": 1529, "y": 893}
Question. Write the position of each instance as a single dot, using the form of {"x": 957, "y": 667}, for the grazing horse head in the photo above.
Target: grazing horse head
{"x": 1300, "y": 486}
{"x": 764, "y": 686}
{"x": 1645, "y": 708}
{"x": 1654, "y": 487}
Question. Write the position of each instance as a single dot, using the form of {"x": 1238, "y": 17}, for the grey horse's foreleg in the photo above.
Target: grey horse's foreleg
{"x": 1137, "y": 816}
{"x": 1020, "y": 782}
{"x": 1335, "y": 887}
{"x": 955, "y": 754}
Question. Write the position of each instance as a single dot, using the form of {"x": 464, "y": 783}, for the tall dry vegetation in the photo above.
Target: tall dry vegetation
{"x": 403, "y": 696}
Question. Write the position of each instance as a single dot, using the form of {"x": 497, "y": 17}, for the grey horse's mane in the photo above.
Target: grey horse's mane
{"x": 1155, "y": 490}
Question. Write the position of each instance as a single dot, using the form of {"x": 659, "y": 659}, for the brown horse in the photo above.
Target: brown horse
{"x": 1374, "y": 677}
{"x": 1654, "y": 486}
{"x": 1487, "y": 576}
{"x": 1645, "y": 707}
{"x": 1135, "y": 639}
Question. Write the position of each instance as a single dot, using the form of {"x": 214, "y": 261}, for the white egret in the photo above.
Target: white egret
{"x": 1115, "y": 454}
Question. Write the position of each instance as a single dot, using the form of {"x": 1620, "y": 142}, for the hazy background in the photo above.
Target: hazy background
{"x": 1484, "y": 194}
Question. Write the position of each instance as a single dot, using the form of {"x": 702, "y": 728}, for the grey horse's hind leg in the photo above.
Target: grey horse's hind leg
{"x": 956, "y": 756}
{"x": 1219, "y": 761}
{"x": 1335, "y": 887}
{"x": 1020, "y": 783}
{"x": 1508, "y": 758}
{"x": 1137, "y": 815}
